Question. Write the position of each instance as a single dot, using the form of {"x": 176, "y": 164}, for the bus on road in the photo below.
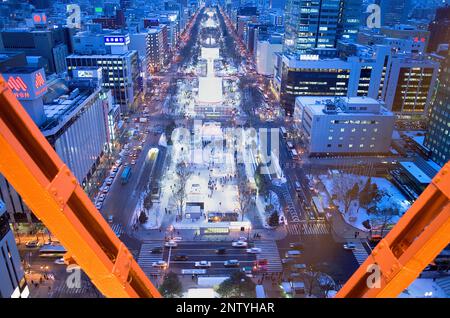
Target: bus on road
{"x": 52, "y": 251}
{"x": 126, "y": 174}
{"x": 317, "y": 206}
{"x": 283, "y": 132}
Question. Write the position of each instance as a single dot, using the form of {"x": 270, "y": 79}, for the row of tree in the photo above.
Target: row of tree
{"x": 347, "y": 189}
{"x": 238, "y": 285}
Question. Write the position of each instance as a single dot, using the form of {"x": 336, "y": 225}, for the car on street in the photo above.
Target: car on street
{"x": 33, "y": 243}
{"x": 202, "y": 264}
{"x": 221, "y": 250}
{"x": 60, "y": 261}
{"x": 109, "y": 181}
{"x": 298, "y": 267}
{"x": 160, "y": 264}
{"x": 293, "y": 253}
{"x": 239, "y": 244}
{"x": 231, "y": 263}
{"x": 156, "y": 250}
{"x": 101, "y": 197}
{"x": 171, "y": 243}
{"x": 349, "y": 246}
{"x": 296, "y": 246}
{"x": 105, "y": 189}
{"x": 110, "y": 218}
{"x": 254, "y": 250}
{"x": 288, "y": 260}
{"x": 99, "y": 205}
{"x": 181, "y": 257}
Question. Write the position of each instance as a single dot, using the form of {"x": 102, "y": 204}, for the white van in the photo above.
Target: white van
{"x": 294, "y": 154}
{"x": 292, "y": 253}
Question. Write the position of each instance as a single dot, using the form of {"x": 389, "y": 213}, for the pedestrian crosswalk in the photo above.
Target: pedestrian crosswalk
{"x": 308, "y": 228}
{"x": 294, "y": 216}
{"x": 146, "y": 258}
{"x": 84, "y": 289}
{"x": 444, "y": 283}
{"x": 269, "y": 251}
{"x": 118, "y": 229}
{"x": 360, "y": 252}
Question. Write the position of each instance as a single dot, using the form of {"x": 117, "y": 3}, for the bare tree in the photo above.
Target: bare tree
{"x": 342, "y": 188}
{"x": 383, "y": 218}
{"x": 245, "y": 195}
{"x": 183, "y": 172}
{"x": 311, "y": 279}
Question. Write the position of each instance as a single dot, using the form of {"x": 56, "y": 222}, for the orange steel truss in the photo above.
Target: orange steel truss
{"x": 421, "y": 233}
{"x": 50, "y": 189}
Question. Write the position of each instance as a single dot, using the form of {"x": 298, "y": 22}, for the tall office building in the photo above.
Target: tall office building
{"x": 409, "y": 85}
{"x": 350, "y": 19}
{"x": 120, "y": 65}
{"x": 393, "y": 11}
{"x": 318, "y": 24}
{"x": 439, "y": 29}
{"x": 360, "y": 74}
{"x": 438, "y": 136}
{"x": 12, "y": 276}
{"x": 52, "y": 45}
{"x": 155, "y": 49}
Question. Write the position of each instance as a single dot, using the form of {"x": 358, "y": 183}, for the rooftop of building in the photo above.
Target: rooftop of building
{"x": 341, "y": 106}
{"x": 22, "y": 69}
{"x": 99, "y": 56}
{"x": 60, "y": 102}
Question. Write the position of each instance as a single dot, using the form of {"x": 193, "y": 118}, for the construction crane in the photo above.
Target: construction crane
{"x": 52, "y": 192}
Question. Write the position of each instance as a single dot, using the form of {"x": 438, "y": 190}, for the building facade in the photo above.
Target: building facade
{"x": 358, "y": 75}
{"x": 409, "y": 85}
{"x": 52, "y": 45}
{"x": 121, "y": 74}
{"x": 347, "y": 126}
{"x": 312, "y": 24}
{"x": 12, "y": 275}
{"x": 438, "y": 136}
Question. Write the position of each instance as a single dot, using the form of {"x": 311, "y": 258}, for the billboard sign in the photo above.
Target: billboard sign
{"x": 27, "y": 86}
{"x": 88, "y": 73}
{"x": 117, "y": 39}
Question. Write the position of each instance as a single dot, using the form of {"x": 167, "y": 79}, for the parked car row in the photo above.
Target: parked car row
{"x": 107, "y": 185}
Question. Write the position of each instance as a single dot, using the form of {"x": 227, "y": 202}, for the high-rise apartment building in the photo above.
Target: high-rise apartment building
{"x": 318, "y": 24}
{"x": 438, "y": 136}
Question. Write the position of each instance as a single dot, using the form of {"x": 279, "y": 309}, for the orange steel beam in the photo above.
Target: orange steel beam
{"x": 52, "y": 192}
{"x": 415, "y": 241}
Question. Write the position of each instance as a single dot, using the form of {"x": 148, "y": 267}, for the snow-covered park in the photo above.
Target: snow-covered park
{"x": 377, "y": 212}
